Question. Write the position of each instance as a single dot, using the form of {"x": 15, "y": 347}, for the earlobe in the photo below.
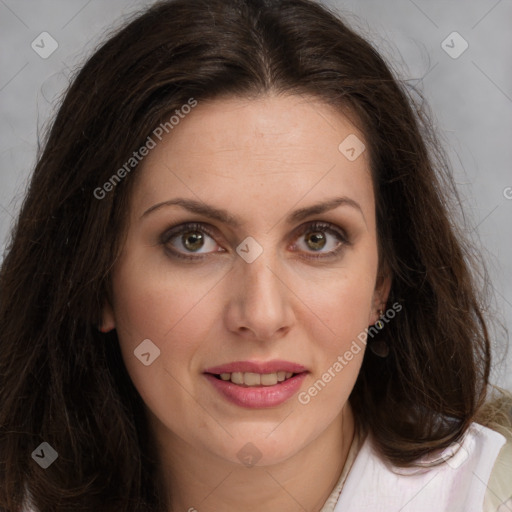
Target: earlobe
{"x": 108, "y": 322}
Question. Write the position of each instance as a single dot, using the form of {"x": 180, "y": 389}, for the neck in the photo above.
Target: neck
{"x": 199, "y": 481}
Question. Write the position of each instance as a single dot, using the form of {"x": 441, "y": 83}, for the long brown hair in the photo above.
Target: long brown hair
{"x": 63, "y": 382}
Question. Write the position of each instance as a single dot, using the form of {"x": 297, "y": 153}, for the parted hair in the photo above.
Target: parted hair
{"x": 63, "y": 382}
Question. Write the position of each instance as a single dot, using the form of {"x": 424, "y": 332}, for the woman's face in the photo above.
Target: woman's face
{"x": 251, "y": 240}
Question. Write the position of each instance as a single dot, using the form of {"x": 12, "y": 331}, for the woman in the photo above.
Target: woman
{"x": 234, "y": 284}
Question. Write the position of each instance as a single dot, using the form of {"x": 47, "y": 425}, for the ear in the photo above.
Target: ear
{"x": 380, "y": 295}
{"x": 108, "y": 321}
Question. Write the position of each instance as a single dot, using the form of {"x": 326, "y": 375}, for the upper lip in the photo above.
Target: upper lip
{"x": 257, "y": 367}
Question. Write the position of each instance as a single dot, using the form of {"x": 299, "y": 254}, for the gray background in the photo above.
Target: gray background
{"x": 470, "y": 96}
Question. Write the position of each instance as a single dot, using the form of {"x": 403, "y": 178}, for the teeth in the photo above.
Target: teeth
{"x": 256, "y": 379}
{"x": 269, "y": 379}
{"x": 237, "y": 378}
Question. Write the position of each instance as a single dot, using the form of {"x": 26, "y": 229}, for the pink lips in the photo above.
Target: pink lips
{"x": 252, "y": 366}
{"x": 260, "y": 396}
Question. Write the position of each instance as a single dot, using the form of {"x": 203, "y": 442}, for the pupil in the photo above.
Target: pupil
{"x": 193, "y": 240}
{"x": 317, "y": 240}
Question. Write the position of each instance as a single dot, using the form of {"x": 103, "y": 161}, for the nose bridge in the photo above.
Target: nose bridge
{"x": 260, "y": 301}
{"x": 260, "y": 282}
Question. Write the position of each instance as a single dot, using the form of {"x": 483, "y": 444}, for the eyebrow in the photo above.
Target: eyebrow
{"x": 223, "y": 216}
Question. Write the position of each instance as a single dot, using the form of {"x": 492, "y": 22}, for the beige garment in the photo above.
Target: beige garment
{"x": 498, "y": 497}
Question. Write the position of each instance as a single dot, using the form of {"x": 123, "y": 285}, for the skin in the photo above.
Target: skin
{"x": 259, "y": 159}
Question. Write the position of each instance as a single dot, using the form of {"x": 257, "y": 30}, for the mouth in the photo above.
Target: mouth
{"x": 251, "y": 379}
{"x": 257, "y": 384}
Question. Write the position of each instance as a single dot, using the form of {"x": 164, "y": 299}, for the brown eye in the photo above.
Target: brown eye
{"x": 316, "y": 240}
{"x": 186, "y": 239}
{"x": 325, "y": 239}
{"x": 192, "y": 240}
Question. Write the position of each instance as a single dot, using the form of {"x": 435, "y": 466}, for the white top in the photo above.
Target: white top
{"x": 458, "y": 484}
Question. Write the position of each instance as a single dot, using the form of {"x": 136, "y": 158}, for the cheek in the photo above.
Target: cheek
{"x": 166, "y": 308}
{"x": 152, "y": 301}
{"x": 341, "y": 299}
{"x": 339, "y": 318}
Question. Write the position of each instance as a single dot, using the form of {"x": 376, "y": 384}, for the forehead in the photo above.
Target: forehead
{"x": 258, "y": 153}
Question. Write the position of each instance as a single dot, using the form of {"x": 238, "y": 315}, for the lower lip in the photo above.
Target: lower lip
{"x": 258, "y": 397}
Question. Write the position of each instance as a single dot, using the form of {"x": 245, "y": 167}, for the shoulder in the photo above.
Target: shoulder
{"x": 452, "y": 480}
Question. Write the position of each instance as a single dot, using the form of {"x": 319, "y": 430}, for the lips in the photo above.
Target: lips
{"x": 255, "y": 367}
{"x": 257, "y": 397}
{"x": 255, "y": 385}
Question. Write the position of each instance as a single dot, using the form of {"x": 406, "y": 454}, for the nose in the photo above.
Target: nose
{"x": 259, "y": 305}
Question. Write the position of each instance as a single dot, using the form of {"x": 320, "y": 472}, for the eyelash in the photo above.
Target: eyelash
{"x": 305, "y": 229}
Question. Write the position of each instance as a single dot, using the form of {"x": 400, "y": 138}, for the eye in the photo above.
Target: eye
{"x": 321, "y": 238}
{"x": 190, "y": 238}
